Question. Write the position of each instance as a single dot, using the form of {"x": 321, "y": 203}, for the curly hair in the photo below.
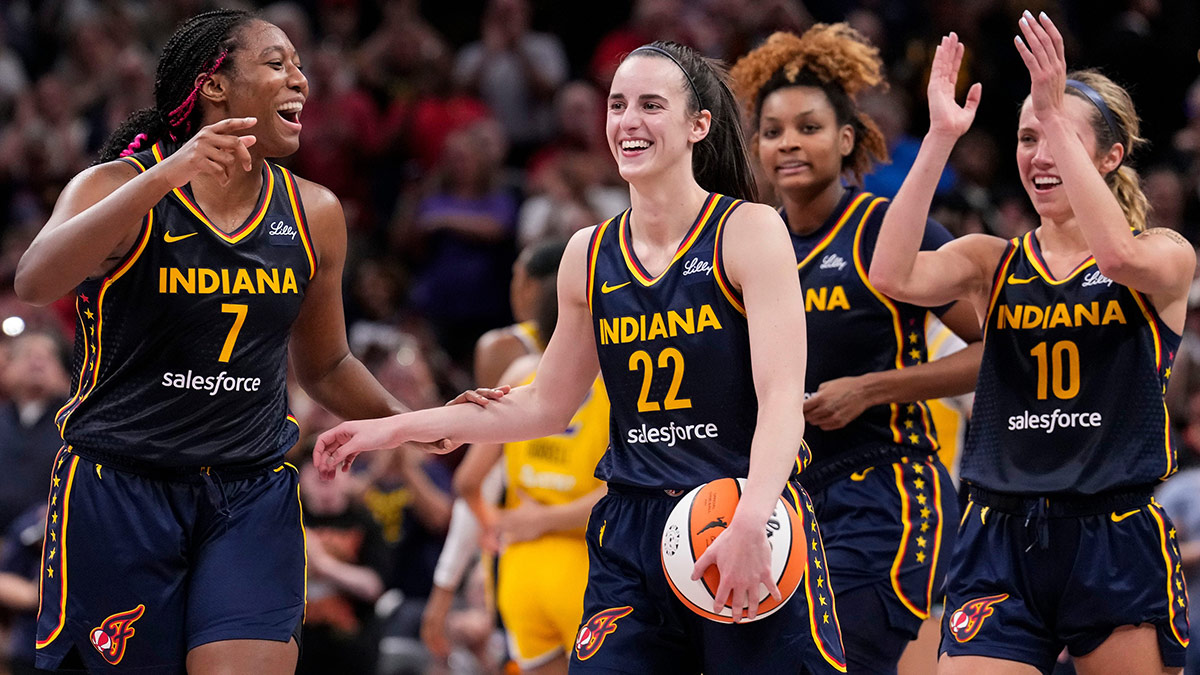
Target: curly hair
{"x": 834, "y": 58}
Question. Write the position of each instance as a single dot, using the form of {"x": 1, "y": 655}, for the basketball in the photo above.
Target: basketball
{"x": 696, "y": 521}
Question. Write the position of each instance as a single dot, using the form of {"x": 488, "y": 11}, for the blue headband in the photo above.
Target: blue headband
{"x": 1098, "y": 101}
{"x": 669, "y": 55}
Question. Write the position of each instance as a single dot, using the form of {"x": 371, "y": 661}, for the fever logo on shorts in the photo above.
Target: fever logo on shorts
{"x": 592, "y": 634}
{"x": 110, "y": 637}
{"x": 966, "y": 622}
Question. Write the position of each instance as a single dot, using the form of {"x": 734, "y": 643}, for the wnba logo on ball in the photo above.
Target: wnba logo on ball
{"x": 592, "y": 634}
{"x": 111, "y": 636}
{"x": 966, "y": 622}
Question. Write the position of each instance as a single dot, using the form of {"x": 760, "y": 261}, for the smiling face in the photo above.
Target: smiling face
{"x": 265, "y": 82}
{"x": 649, "y": 127}
{"x": 801, "y": 146}
{"x": 1039, "y": 174}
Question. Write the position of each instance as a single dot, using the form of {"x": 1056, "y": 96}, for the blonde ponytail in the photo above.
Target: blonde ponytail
{"x": 1127, "y": 186}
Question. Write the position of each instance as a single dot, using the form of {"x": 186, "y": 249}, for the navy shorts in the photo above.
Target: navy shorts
{"x": 1031, "y": 576}
{"x": 137, "y": 571}
{"x": 637, "y": 625}
{"x": 888, "y": 531}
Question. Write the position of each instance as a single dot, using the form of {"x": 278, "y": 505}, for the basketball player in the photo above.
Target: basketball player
{"x": 174, "y": 536}
{"x": 690, "y": 306}
{"x": 1060, "y": 543}
{"x": 880, "y": 491}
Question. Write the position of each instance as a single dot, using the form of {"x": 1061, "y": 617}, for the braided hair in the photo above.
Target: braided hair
{"x": 199, "y": 48}
{"x": 834, "y": 58}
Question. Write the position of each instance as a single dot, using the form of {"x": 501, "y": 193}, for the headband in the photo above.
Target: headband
{"x": 669, "y": 55}
{"x": 1098, "y": 101}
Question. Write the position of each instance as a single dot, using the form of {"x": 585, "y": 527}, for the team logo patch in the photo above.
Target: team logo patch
{"x": 111, "y": 636}
{"x": 966, "y": 622}
{"x": 592, "y": 634}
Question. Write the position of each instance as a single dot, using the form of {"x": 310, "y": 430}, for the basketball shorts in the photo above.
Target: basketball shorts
{"x": 540, "y": 597}
{"x": 633, "y": 622}
{"x": 137, "y": 571}
{"x": 1031, "y": 576}
{"x": 888, "y": 532}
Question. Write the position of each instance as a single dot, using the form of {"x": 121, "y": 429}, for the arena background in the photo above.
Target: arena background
{"x": 421, "y": 107}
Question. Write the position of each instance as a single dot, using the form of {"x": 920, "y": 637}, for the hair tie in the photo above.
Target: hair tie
{"x": 180, "y": 115}
{"x": 134, "y": 145}
{"x": 1098, "y": 101}
{"x": 669, "y": 55}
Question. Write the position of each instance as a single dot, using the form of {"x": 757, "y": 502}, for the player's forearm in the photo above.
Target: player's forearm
{"x": 361, "y": 582}
{"x": 348, "y": 390}
{"x": 519, "y": 416}
{"x": 778, "y": 436}
{"x": 952, "y": 375}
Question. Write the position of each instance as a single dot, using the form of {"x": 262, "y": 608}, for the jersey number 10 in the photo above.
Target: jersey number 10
{"x": 1059, "y": 368}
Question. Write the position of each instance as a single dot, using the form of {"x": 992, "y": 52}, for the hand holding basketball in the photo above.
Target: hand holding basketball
{"x": 742, "y": 557}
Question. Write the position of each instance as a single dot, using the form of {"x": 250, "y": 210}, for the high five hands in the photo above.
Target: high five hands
{"x": 1042, "y": 52}
{"x": 946, "y": 117}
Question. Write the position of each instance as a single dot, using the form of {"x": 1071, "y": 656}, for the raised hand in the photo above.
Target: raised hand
{"x": 1042, "y": 52}
{"x": 217, "y": 150}
{"x": 945, "y": 115}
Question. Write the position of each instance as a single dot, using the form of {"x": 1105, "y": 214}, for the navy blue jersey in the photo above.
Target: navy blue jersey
{"x": 1070, "y": 393}
{"x": 180, "y": 350}
{"x": 854, "y": 329}
{"x": 675, "y": 355}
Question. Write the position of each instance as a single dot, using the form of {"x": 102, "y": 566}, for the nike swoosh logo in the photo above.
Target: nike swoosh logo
{"x": 861, "y": 475}
{"x": 1123, "y": 516}
{"x": 167, "y": 237}
{"x": 1012, "y": 279}
{"x": 605, "y": 288}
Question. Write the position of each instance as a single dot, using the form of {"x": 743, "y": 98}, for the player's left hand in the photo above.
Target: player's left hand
{"x": 743, "y": 558}
{"x": 1042, "y": 52}
{"x": 836, "y": 403}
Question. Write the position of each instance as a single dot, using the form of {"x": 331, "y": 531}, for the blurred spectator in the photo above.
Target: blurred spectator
{"x": 890, "y": 110}
{"x": 347, "y": 561}
{"x": 516, "y": 72}
{"x": 1167, "y": 192}
{"x": 462, "y": 235}
{"x": 649, "y": 20}
{"x": 20, "y": 573}
{"x": 37, "y": 383}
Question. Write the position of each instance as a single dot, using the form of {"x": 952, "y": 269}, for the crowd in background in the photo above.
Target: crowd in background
{"x": 457, "y": 133}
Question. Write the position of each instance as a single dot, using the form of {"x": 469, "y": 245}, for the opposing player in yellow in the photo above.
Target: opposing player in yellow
{"x": 551, "y": 489}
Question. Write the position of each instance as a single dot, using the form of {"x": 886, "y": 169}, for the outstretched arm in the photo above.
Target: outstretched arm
{"x": 960, "y": 268}
{"x": 541, "y": 408}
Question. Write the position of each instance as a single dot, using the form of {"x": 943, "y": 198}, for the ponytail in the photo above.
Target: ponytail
{"x": 1126, "y": 186}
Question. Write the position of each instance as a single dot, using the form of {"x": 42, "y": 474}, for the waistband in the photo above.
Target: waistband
{"x": 623, "y": 490}
{"x": 821, "y": 474}
{"x": 178, "y": 474}
{"x": 1060, "y": 506}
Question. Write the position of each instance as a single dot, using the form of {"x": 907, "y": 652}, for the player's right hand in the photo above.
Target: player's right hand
{"x": 218, "y": 150}
{"x": 339, "y": 446}
{"x": 945, "y": 115}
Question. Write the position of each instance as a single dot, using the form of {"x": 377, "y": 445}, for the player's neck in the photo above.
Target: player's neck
{"x": 662, "y": 216}
{"x": 228, "y": 206}
{"x": 807, "y": 211}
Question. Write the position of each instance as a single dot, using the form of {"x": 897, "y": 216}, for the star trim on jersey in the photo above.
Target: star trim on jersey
{"x": 57, "y": 535}
{"x": 1177, "y": 593}
{"x": 823, "y": 623}
{"x": 927, "y": 544}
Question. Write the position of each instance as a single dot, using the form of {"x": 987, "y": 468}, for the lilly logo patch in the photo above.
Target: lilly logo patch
{"x": 591, "y": 634}
{"x": 111, "y": 636}
{"x": 968, "y": 619}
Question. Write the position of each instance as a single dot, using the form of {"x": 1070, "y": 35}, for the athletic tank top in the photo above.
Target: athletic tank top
{"x": 181, "y": 350}
{"x": 559, "y": 469}
{"x": 1070, "y": 393}
{"x": 675, "y": 356}
{"x": 854, "y": 329}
